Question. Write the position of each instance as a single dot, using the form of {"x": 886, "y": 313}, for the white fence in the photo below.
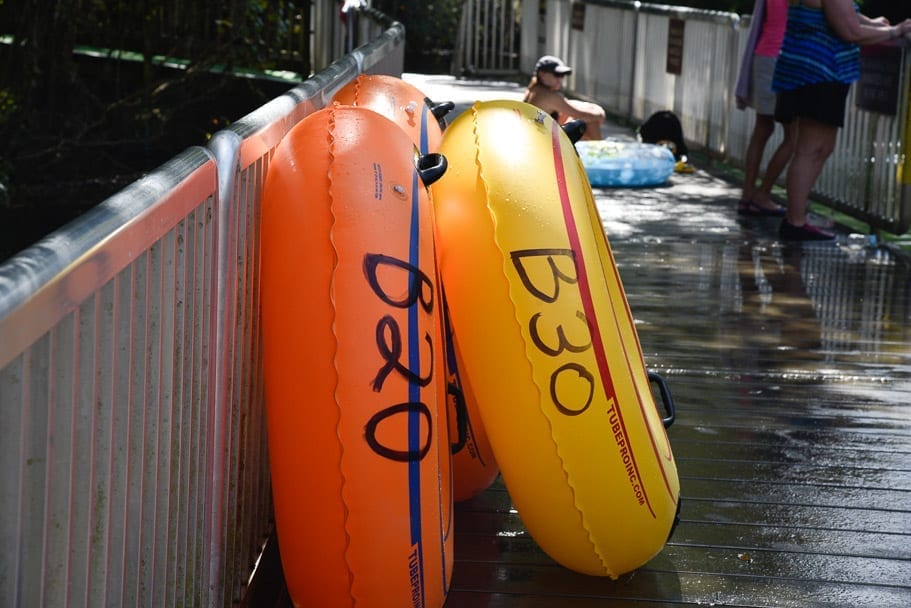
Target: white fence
{"x": 133, "y": 462}
{"x": 488, "y": 38}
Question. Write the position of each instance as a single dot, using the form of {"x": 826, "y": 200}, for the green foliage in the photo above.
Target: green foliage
{"x": 76, "y": 126}
{"x": 8, "y": 105}
{"x": 430, "y": 27}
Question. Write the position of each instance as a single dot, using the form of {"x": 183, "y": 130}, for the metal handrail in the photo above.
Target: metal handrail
{"x": 133, "y": 462}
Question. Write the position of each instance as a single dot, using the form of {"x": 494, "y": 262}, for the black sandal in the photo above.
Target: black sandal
{"x": 749, "y": 207}
{"x": 789, "y": 232}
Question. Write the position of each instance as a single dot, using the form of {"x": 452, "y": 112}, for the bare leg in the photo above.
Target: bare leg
{"x": 780, "y": 159}
{"x": 592, "y": 130}
{"x": 762, "y": 130}
{"x": 815, "y": 142}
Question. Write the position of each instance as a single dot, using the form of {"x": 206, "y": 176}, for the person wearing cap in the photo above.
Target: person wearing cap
{"x": 544, "y": 92}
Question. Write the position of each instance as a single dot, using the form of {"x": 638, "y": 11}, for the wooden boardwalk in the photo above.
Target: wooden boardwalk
{"x": 790, "y": 367}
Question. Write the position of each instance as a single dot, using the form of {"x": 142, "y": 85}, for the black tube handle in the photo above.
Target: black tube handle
{"x": 574, "y": 129}
{"x": 665, "y": 398}
{"x": 431, "y": 167}
{"x": 461, "y": 413}
{"x": 440, "y": 110}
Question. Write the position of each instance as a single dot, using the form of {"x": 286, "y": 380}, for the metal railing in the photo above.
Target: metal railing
{"x": 134, "y": 467}
{"x": 619, "y": 52}
{"x": 488, "y": 38}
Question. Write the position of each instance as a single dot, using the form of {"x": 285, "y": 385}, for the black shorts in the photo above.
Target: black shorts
{"x": 823, "y": 102}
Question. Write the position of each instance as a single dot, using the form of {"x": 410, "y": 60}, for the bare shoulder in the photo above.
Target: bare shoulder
{"x": 840, "y": 14}
{"x": 540, "y": 92}
{"x": 543, "y": 97}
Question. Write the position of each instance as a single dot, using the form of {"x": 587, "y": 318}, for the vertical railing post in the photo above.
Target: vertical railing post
{"x": 634, "y": 72}
{"x": 225, "y": 146}
{"x": 904, "y": 212}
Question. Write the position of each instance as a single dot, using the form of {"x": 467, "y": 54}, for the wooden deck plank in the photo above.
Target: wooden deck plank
{"x": 890, "y": 549}
{"x": 673, "y": 589}
{"x": 478, "y": 516}
{"x": 778, "y": 531}
{"x": 556, "y": 586}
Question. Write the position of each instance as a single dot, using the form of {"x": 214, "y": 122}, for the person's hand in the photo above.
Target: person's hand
{"x": 903, "y": 29}
{"x": 900, "y": 33}
{"x": 879, "y": 21}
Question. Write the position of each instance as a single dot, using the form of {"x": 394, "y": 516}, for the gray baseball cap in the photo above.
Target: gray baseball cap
{"x": 549, "y": 63}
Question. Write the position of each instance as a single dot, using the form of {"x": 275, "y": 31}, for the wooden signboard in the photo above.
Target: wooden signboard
{"x": 675, "y": 46}
{"x": 578, "y": 16}
{"x": 880, "y": 75}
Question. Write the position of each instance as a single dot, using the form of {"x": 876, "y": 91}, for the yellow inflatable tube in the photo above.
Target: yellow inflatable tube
{"x": 548, "y": 342}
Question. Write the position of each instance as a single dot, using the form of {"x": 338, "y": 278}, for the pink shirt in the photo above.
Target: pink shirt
{"x": 776, "y": 18}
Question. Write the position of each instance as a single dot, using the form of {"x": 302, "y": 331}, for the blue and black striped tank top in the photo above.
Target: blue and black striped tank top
{"x": 812, "y": 53}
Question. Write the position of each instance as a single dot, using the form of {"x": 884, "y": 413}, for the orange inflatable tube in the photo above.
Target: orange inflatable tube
{"x": 474, "y": 467}
{"x": 401, "y": 102}
{"x": 473, "y": 462}
{"x": 548, "y": 343}
{"x": 354, "y": 365}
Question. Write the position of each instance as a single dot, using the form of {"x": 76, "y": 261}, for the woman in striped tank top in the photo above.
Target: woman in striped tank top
{"x": 819, "y": 59}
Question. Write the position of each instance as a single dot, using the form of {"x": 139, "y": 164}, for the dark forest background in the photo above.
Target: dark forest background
{"x": 76, "y": 128}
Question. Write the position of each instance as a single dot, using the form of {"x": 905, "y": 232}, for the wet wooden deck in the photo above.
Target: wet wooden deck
{"x": 790, "y": 367}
